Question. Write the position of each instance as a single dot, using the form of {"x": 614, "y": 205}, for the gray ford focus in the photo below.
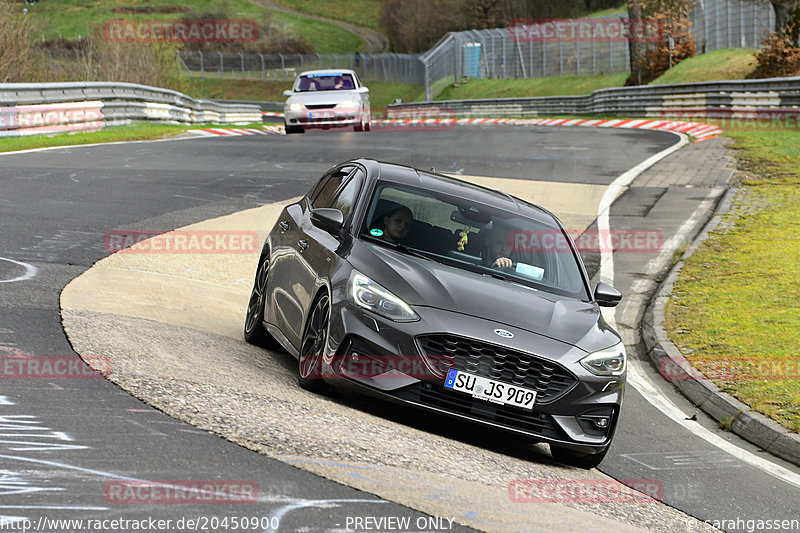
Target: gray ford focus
{"x": 435, "y": 293}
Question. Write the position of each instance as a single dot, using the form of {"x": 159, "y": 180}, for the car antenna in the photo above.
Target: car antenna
{"x": 433, "y": 169}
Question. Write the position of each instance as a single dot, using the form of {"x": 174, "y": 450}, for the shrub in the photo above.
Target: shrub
{"x": 21, "y": 58}
{"x": 778, "y": 57}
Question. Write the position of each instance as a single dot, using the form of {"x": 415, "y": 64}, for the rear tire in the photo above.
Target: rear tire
{"x": 315, "y": 338}
{"x": 573, "y": 458}
{"x": 254, "y": 331}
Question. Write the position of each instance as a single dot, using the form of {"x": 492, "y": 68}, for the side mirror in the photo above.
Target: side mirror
{"x": 287, "y": 93}
{"x": 327, "y": 219}
{"x": 606, "y": 296}
{"x": 362, "y": 89}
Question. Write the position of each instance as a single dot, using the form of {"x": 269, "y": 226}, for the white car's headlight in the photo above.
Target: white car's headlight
{"x": 365, "y": 293}
{"x": 349, "y": 104}
{"x": 294, "y": 106}
{"x": 608, "y": 362}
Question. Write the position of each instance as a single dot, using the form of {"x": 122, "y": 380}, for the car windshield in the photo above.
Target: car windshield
{"x": 337, "y": 81}
{"x": 530, "y": 250}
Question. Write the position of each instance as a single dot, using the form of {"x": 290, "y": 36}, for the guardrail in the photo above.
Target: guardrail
{"x": 714, "y": 99}
{"x": 29, "y": 109}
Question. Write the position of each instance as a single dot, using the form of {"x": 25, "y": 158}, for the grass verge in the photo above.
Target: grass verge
{"x": 717, "y": 65}
{"x": 729, "y": 64}
{"x": 555, "y": 86}
{"x": 73, "y": 18}
{"x": 139, "y": 131}
{"x": 359, "y": 12}
{"x": 735, "y": 311}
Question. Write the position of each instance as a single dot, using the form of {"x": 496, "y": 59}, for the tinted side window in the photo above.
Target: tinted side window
{"x": 324, "y": 195}
{"x": 347, "y": 196}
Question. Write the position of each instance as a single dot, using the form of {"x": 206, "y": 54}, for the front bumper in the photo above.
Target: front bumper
{"x": 331, "y": 118}
{"x": 565, "y": 418}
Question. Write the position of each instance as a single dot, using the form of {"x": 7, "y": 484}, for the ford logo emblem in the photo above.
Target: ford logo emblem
{"x": 504, "y": 333}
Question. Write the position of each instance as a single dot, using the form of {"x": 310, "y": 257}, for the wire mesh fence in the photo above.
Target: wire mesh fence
{"x": 506, "y": 53}
{"x": 720, "y": 24}
{"x": 399, "y": 68}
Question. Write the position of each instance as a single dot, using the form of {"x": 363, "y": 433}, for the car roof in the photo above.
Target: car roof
{"x": 432, "y": 181}
{"x": 326, "y": 72}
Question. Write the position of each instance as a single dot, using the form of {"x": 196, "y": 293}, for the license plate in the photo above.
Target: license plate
{"x": 321, "y": 114}
{"x": 490, "y": 390}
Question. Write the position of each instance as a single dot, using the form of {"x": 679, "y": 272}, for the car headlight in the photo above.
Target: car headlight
{"x": 370, "y": 295}
{"x": 349, "y": 104}
{"x": 608, "y": 362}
{"x": 294, "y": 106}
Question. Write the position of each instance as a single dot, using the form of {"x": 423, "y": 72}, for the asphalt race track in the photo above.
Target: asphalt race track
{"x": 67, "y": 444}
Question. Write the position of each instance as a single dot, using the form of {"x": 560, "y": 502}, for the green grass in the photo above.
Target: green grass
{"x": 70, "y": 18}
{"x": 359, "y": 12}
{"x": 718, "y": 65}
{"x": 610, "y": 12}
{"x": 381, "y": 93}
{"x": 737, "y": 302}
{"x": 73, "y": 18}
{"x": 326, "y": 38}
{"x": 131, "y": 132}
{"x": 730, "y": 64}
{"x": 555, "y": 86}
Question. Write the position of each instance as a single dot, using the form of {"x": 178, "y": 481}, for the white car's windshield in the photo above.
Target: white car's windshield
{"x": 533, "y": 251}
{"x": 325, "y": 82}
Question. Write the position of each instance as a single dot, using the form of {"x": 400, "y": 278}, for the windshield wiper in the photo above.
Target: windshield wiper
{"x": 400, "y": 247}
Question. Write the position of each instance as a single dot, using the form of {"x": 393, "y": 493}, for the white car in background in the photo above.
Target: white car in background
{"x": 327, "y": 99}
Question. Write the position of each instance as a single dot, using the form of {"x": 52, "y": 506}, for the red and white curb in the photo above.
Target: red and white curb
{"x": 228, "y": 132}
{"x": 698, "y": 130}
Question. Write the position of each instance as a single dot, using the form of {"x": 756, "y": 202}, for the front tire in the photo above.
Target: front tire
{"x": 293, "y": 129}
{"x": 315, "y": 338}
{"x": 254, "y": 331}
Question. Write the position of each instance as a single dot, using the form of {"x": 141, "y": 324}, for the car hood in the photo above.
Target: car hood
{"x": 323, "y": 97}
{"x": 421, "y": 282}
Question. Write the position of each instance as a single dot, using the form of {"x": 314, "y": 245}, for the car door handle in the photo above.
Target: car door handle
{"x": 284, "y": 225}
{"x": 303, "y": 245}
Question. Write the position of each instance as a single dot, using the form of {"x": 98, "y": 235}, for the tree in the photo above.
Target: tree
{"x": 637, "y": 47}
{"x": 787, "y": 12}
{"x": 660, "y": 36}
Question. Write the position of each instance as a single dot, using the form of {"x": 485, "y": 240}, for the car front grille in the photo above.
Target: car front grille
{"x": 549, "y": 379}
{"x": 320, "y": 106}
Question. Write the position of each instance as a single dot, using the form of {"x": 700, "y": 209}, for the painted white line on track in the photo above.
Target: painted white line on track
{"x": 636, "y": 376}
{"x": 30, "y": 271}
{"x": 613, "y": 191}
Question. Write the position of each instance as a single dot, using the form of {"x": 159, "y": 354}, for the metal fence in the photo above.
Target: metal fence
{"x": 498, "y": 54}
{"x": 720, "y": 24}
{"x": 400, "y": 68}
